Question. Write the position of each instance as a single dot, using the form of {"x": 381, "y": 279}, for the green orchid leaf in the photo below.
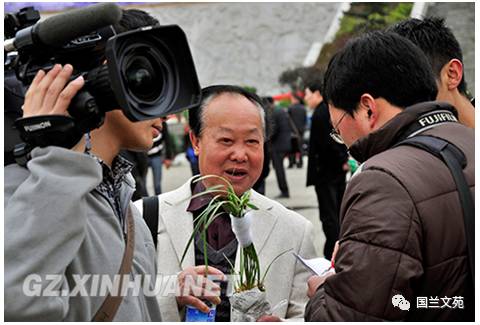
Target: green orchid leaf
{"x": 225, "y": 198}
{"x": 251, "y": 206}
{"x": 232, "y": 268}
{"x": 269, "y": 265}
{"x": 199, "y": 220}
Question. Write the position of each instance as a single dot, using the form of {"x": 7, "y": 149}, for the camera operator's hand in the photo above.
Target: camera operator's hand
{"x": 48, "y": 95}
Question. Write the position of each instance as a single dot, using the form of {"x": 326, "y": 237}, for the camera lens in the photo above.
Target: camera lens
{"x": 143, "y": 80}
{"x": 148, "y": 73}
{"x": 151, "y": 72}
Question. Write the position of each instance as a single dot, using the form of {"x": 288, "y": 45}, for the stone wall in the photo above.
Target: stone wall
{"x": 247, "y": 43}
{"x": 460, "y": 17}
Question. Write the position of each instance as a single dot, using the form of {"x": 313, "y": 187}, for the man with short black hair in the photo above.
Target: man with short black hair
{"x": 327, "y": 165}
{"x": 444, "y": 54}
{"x": 402, "y": 233}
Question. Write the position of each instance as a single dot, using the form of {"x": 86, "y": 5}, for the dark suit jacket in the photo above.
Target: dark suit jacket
{"x": 298, "y": 114}
{"x": 325, "y": 156}
{"x": 281, "y": 134}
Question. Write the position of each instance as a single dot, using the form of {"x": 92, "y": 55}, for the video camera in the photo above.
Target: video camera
{"x": 147, "y": 73}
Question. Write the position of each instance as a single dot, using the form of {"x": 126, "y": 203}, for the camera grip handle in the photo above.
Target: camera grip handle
{"x": 48, "y": 130}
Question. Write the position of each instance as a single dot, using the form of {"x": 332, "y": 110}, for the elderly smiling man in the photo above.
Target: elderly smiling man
{"x": 228, "y": 131}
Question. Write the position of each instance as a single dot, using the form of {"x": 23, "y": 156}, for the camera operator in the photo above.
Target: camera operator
{"x": 67, "y": 213}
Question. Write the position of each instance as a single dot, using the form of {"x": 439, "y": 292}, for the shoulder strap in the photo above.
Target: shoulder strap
{"x": 455, "y": 159}
{"x": 150, "y": 215}
{"x": 109, "y": 308}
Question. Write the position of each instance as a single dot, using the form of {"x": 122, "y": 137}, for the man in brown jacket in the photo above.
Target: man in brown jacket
{"x": 402, "y": 251}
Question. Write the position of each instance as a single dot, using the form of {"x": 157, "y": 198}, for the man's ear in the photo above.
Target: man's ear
{"x": 318, "y": 96}
{"x": 194, "y": 140}
{"x": 454, "y": 73}
{"x": 369, "y": 108}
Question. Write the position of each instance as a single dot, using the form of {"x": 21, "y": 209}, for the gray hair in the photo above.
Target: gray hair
{"x": 197, "y": 114}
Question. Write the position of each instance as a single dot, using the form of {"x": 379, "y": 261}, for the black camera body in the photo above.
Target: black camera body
{"x": 147, "y": 73}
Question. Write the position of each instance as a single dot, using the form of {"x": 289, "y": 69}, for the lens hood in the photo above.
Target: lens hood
{"x": 152, "y": 73}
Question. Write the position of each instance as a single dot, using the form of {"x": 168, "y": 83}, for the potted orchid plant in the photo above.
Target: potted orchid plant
{"x": 249, "y": 298}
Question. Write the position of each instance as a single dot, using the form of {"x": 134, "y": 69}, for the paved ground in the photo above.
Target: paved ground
{"x": 302, "y": 199}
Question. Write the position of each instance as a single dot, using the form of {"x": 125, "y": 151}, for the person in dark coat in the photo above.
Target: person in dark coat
{"x": 281, "y": 146}
{"x": 160, "y": 154}
{"x": 298, "y": 117}
{"x": 403, "y": 252}
{"x": 327, "y": 166}
{"x": 259, "y": 186}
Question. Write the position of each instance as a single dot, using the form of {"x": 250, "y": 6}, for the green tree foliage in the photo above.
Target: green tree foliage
{"x": 250, "y": 89}
{"x": 361, "y": 18}
{"x": 297, "y": 78}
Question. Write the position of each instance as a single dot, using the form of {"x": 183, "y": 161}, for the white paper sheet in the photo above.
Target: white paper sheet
{"x": 318, "y": 266}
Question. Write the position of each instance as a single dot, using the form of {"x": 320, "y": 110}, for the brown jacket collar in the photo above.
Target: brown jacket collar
{"x": 393, "y": 131}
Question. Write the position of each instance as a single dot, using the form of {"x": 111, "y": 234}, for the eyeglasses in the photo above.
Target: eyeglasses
{"x": 335, "y": 135}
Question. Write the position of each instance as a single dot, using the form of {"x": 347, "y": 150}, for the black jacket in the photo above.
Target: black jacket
{"x": 298, "y": 114}
{"x": 281, "y": 134}
{"x": 325, "y": 156}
